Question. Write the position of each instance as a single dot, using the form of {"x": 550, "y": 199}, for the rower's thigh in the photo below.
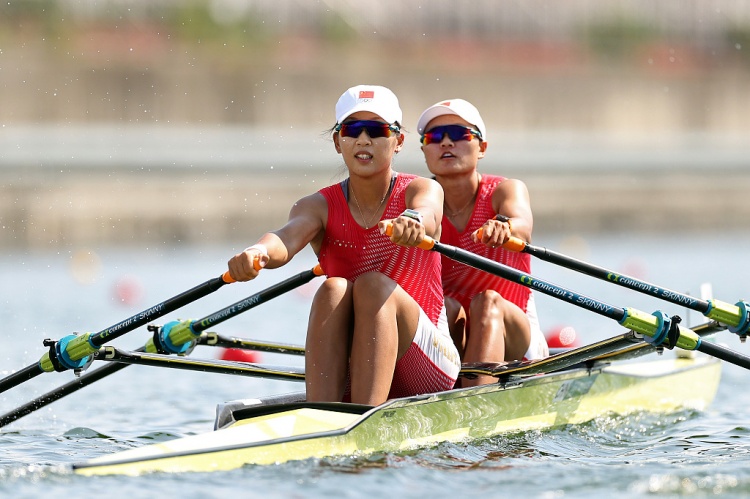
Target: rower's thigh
{"x": 384, "y": 304}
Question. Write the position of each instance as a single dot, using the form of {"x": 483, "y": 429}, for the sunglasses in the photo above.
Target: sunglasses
{"x": 454, "y": 132}
{"x": 375, "y": 129}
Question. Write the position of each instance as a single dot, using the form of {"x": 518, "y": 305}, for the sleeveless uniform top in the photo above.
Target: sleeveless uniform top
{"x": 349, "y": 250}
{"x": 462, "y": 282}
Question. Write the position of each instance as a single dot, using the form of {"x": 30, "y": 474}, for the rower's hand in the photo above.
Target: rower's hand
{"x": 245, "y": 266}
{"x": 405, "y": 231}
{"x": 493, "y": 233}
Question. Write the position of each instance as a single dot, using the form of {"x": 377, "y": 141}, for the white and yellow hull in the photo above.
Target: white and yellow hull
{"x": 270, "y": 434}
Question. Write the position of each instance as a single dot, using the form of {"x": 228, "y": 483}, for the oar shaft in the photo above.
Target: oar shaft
{"x": 257, "y": 299}
{"x": 217, "y": 340}
{"x": 623, "y": 280}
{"x": 736, "y": 316}
{"x": 112, "y": 354}
{"x": 524, "y": 279}
{"x": 657, "y": 327}
{"x": 19, "y": 377}
{"x": 175, "y": 336}
{"x": 152, "y": 313}
{"x": 724, "y": 354}
{"x": 66, "y": 389}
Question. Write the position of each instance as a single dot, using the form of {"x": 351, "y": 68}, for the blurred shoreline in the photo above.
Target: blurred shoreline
{"x": 166, "y": 122}
{"x": 71, "y": 186}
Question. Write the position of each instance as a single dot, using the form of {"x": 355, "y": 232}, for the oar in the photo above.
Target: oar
{"x": 736, "y": 317}
{"x": 286, "y": 373}
{"x": 179, "y": 336}
{"x": 629, "y": 345}
{"x": 74, "y": 352}
{"x": 629, "y": 342}
{"x": 210, "y": 338}
{"x": 206, "y": 338}
{"x": 656, "y": 327}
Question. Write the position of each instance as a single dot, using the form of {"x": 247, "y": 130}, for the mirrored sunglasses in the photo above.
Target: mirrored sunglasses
{"x": 454, "y": 132}
{"x": 375, "y": 129}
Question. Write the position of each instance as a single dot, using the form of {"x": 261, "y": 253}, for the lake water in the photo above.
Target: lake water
{"x": 49, "y": 295}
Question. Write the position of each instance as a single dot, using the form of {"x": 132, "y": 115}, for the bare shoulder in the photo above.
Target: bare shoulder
{"x": 313, "y": 203}
{"x": 510, "y": 189}
{"x": 423, "y": 184}
{"x": 511, "y": 185}
{"x": 307, "y": 221}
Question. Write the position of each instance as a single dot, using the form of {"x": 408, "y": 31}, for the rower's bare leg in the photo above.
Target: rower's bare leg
{"x": 329, "y": 341}
{"x": 456, "y": 316}
{"x": 500, "y": 331}
{"x": 385, "y": 321}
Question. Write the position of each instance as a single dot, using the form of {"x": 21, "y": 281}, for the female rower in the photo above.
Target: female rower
{"x": 491, "y": 319}
{"x": 377, "y": 327}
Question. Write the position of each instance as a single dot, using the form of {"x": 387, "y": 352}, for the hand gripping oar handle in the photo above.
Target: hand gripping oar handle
{"x": 736, "y": 317}
{"x": 656, "y": 328}
{"x": 74, "y": 352}
{"x": 228, "y": 278}
{"x": 178, "y": 336}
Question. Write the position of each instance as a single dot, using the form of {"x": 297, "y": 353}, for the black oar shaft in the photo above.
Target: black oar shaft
{"x": 254, "y": 300}
{"x": 218, "y": 340}
{"x": 19, "y": 377}
{"x": 724, "y": 354}
{"x": 175, "y": 336}
{"x": 84, "y": 346}
{"x": 653, "y": 326}
{"x": 625, "y": 281}
{"x": 112, "y": 354}
{"x": 66, "y": 389}
{"x": 524, "y": 279}
{"x": 95, "y": 375}
{"x": 152, "y": 313}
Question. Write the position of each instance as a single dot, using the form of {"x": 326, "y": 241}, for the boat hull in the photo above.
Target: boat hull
{"x": 278, "y": 433}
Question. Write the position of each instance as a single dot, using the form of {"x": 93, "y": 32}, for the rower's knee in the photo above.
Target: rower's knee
{"x": 333, "y": 289}
{"x": 372, "y": 290}
{"x": 488, "y": 304}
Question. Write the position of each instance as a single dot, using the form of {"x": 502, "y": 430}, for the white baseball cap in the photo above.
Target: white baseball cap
{"x": 372, "y": 98}
{"x": 459, "y": 107}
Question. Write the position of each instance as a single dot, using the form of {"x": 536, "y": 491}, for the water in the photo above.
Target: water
{"x": 49, "y": 295}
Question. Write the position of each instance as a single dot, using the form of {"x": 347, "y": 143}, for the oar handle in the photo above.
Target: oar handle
{"x": 512, "y": 244}
{"x": 228, "y": 278}
{"x": 427, "y": 243}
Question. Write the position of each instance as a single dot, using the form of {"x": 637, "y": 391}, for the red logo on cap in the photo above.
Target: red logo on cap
{"x": 446, "y": 103}
{"x": 366, "y": 94}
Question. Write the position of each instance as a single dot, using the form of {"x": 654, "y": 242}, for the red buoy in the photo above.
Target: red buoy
{"x": 562, "y": 337}
{"x": 240, "y": 355}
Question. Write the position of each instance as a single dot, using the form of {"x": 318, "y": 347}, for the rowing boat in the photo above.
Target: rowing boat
{"x": 572, "y": 387}
{"x": 286, "y": 428}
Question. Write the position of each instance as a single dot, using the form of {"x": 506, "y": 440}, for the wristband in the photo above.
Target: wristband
{"x": 260, "y": 247}
{"x": 413, "y": 214}
{"x": 503, "y": 218}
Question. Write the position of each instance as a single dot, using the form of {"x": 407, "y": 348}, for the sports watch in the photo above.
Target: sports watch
{"x": 413, "y": 214}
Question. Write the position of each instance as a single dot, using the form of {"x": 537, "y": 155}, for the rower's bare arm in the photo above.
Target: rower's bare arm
{"x": 426, "y": 196}
{"x": 511, "y": 198}
{"x": 510, "y": 201}
{"x": 424, "y": 203}
{"x": 276, "y": 248}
